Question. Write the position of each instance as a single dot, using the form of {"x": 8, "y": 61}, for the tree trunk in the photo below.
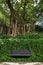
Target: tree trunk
{"x": 14, "y": 29}
{"x": 24, "y": 28}
{"x": 28, "y": 29}
{"x": 1, "y": 30}
{"x": 32, "y": 30}
{"x": 13, "y": 16}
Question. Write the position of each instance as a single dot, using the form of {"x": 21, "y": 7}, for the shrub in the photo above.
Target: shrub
{"x": 29, "y": 36}
{"x": 35, "y": 46}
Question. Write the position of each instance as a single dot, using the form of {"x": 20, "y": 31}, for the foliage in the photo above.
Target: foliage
{"x": 34, "y": 45}
{"x": 30, "y": 11}
{"x": 24, "y": 11}
{"x": 30, "y": 36}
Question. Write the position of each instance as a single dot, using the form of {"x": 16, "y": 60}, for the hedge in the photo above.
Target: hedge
{"x": 30, "y": 36}
{"x": 35, "y": 46}
{"x": 5, "y": 37}
{"x": 23, "y": 36}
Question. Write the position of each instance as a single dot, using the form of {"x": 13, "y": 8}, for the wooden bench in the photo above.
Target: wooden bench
{"x": 20, "y": 53}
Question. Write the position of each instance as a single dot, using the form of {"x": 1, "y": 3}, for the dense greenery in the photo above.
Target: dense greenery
{"x": 32, "y": 42}
{"x": 20, "y": 15}
{"x": 30, "y": 36}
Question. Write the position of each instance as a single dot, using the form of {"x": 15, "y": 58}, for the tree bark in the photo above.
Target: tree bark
{"x": 24, "y": 28}
{"x": 32, "y": 28}
{"x": 14, "y": 30}
{"x": 13, "y": 14}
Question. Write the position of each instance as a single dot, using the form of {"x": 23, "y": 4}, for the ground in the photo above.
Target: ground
{"x": 21, "y": 63}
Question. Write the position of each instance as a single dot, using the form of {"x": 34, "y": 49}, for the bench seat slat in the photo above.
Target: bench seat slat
{"x": 20, "y": 53}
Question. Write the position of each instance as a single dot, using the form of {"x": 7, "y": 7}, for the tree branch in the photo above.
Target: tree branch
{"x": 11, "y": 7}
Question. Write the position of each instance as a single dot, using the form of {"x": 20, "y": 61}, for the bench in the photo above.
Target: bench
{"x": 20, "y": 53}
